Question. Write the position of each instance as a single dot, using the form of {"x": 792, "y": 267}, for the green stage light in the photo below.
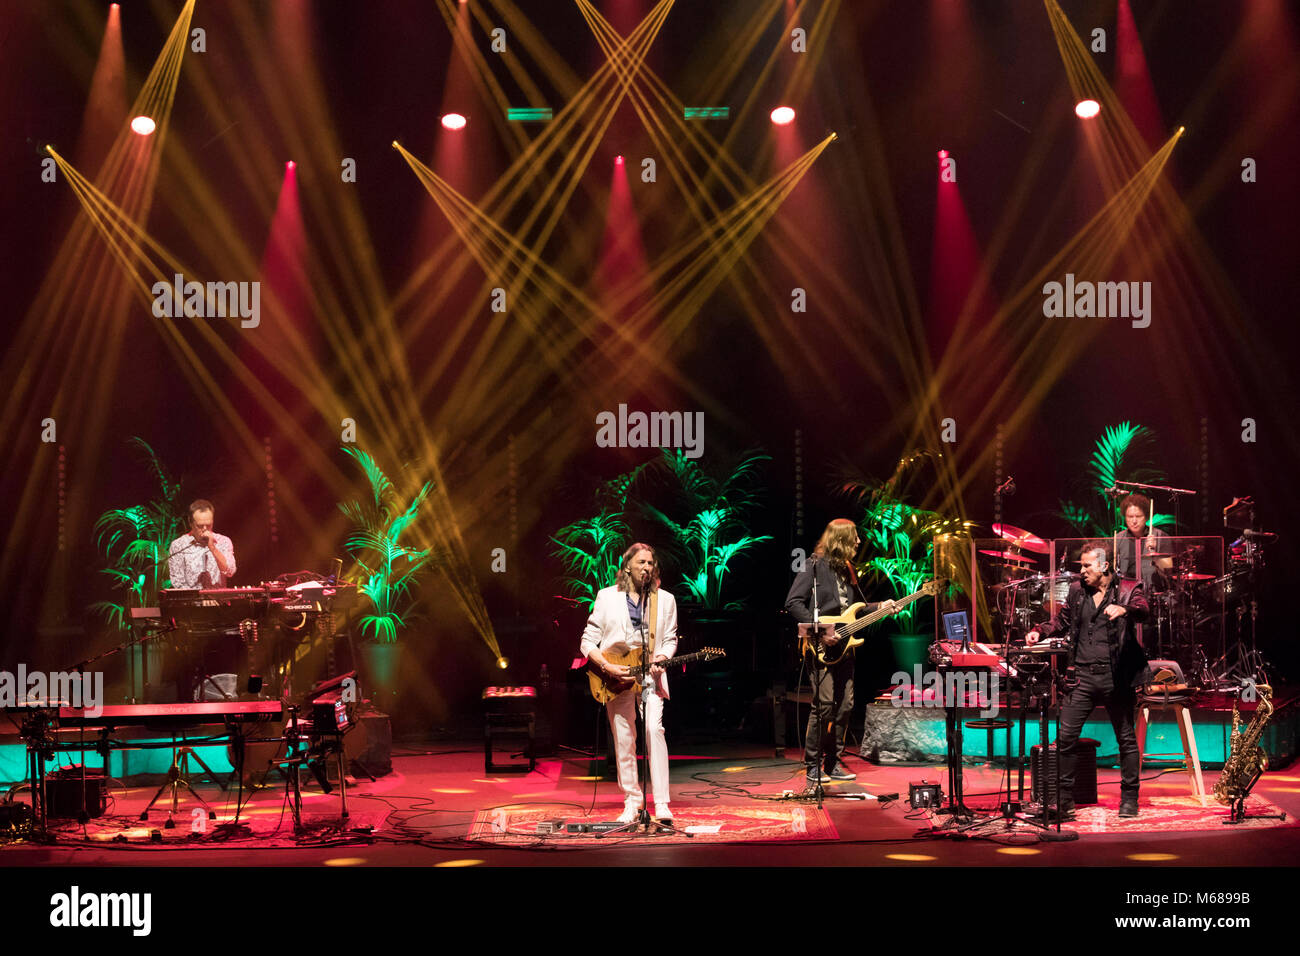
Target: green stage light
{"x": 707, "y": 112}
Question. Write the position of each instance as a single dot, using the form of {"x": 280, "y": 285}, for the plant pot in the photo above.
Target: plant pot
{"x": 910, "y": 650}
{"x": 382, "y": 667}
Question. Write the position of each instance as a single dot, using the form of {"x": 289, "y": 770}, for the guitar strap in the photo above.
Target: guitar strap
{"x": 654, "y": 623}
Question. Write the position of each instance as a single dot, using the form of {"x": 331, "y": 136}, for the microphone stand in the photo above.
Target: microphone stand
{"x": 819, "y": 675}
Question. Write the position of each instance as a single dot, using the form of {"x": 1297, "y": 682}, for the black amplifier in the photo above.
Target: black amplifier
{"x": 63, "y": 792}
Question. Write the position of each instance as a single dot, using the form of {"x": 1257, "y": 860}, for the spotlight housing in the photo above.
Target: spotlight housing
{"x": 143, "y": 125}
{"x": 503, "y": 662}
{"x": 782, "y": 116}
{"x": 453, "y": 121}
{"x": 1087, "y": 109}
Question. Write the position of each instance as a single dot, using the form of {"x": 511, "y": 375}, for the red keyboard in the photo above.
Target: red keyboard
{"x": 217, "y": 711}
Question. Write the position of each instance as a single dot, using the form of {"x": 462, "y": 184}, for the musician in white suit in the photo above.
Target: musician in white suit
{"x": 621, "y": 619}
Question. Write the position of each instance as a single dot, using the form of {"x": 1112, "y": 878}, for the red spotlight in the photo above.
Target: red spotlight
{"x": 783, "y": 116}
{"x": 142, "y": 125}
{"x": 618, "y": 160}
{"x": 290, "y": 164}
{"x": 453, "y": 121}
{"x": 1087, "y": 109}
{"x": 943, "y": 154}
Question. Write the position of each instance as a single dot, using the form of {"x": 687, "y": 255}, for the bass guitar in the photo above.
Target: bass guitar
{"x": 605, "y": 687}
{"x": 853, "y": 620}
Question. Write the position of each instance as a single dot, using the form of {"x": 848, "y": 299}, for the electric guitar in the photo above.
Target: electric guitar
{"x": 605, "y": 687}
{"x": 849, "y": 623}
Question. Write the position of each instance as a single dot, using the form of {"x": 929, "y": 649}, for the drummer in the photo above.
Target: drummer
{"x": 1138, "y": 540}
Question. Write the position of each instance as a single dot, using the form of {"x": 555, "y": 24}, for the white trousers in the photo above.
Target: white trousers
{"x": 622, "y": 724}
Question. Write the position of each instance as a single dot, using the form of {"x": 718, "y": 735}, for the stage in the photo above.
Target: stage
{"x": 436, "y": 809}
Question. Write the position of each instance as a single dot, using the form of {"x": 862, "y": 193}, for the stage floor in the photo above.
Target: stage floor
{"x": 424, "y": 812}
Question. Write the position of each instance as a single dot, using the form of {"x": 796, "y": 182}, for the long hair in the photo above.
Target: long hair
{"x": 624, "y": 580}
{"x": 836, "y": 544}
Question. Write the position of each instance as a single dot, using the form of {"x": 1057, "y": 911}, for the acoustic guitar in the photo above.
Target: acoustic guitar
{"x": 605, "y": 687}
{"x": 849, "y": 623}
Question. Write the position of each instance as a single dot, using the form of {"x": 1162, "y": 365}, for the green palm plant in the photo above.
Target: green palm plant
{"x": 387, "y": 570}
{"x": 590, "y": 548}
{"x": 1121, "y": 453}
{"x": 135, "y": 540}
{"x": 705, "y": 543}
{"x": 898, "y": 537}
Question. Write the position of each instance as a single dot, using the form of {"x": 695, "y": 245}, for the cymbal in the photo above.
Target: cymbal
{"x": 1008, "y": 556}
{"x": 1025, "y": 539}
{"x": 1188, "y": 576}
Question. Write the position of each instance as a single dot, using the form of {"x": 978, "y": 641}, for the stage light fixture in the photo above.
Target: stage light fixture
{"x": 453, "y": 121}
{"x": 783, "y": 116}
{"x": 618, "y": 160}
{"x": 290, "y": 165}
{"x": 142, "y": 125}
{"x": 528, "y": 114}
{"x": 503, "y": 662}
{"x": 706, "y": 112}
{"x": 943, "y": 154}
{"x": 1087, "y": 109}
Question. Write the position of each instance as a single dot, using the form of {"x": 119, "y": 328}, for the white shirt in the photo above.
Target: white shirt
{"x": 191, "y": 565}
{"x": 610, "y": 625}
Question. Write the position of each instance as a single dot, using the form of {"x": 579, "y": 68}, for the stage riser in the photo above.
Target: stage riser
{"x": 916, "y": 735}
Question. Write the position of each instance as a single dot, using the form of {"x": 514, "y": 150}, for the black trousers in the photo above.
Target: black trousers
{"x": 1093, "y": 688}
{"x": 832, "y": 703}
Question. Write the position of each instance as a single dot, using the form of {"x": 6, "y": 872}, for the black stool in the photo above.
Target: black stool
{"x": 990, "y": 724}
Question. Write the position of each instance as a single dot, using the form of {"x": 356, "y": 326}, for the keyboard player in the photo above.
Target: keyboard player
{"x": 201, "y": 558}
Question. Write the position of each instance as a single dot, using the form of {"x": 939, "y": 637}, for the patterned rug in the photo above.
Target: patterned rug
{"x": 1173, "y": 814}
{"x": 765, "y": 822}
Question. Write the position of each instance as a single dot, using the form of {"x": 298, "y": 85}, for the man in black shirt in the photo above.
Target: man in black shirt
{"x": 831, "y": 566}
{"x": 1107, "y": 664}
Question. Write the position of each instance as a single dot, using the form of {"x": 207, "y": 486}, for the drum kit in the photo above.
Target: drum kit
{"x": 1190, "y": 598}
{"x": 1024, "y": 601}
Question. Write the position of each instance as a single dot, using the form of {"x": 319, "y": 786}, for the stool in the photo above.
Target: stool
{"x": 509, "y": 713}
{"x": 989, "y": 724}
{"x": 1182, "y": 708}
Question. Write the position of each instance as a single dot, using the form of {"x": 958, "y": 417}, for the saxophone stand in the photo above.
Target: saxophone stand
{"x": 644, "y": 824}
{"x": 1237, "y": 809}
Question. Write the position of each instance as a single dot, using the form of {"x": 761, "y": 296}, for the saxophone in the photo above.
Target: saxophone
{"x": 1246, "y": 759}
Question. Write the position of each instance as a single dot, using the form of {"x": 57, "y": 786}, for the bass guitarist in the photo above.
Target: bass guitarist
{"x": 831, "y": 566}
{"x": 636, "y": 613}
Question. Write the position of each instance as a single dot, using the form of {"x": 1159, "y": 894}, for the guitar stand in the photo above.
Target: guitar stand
{"x": 177, "y": 777}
